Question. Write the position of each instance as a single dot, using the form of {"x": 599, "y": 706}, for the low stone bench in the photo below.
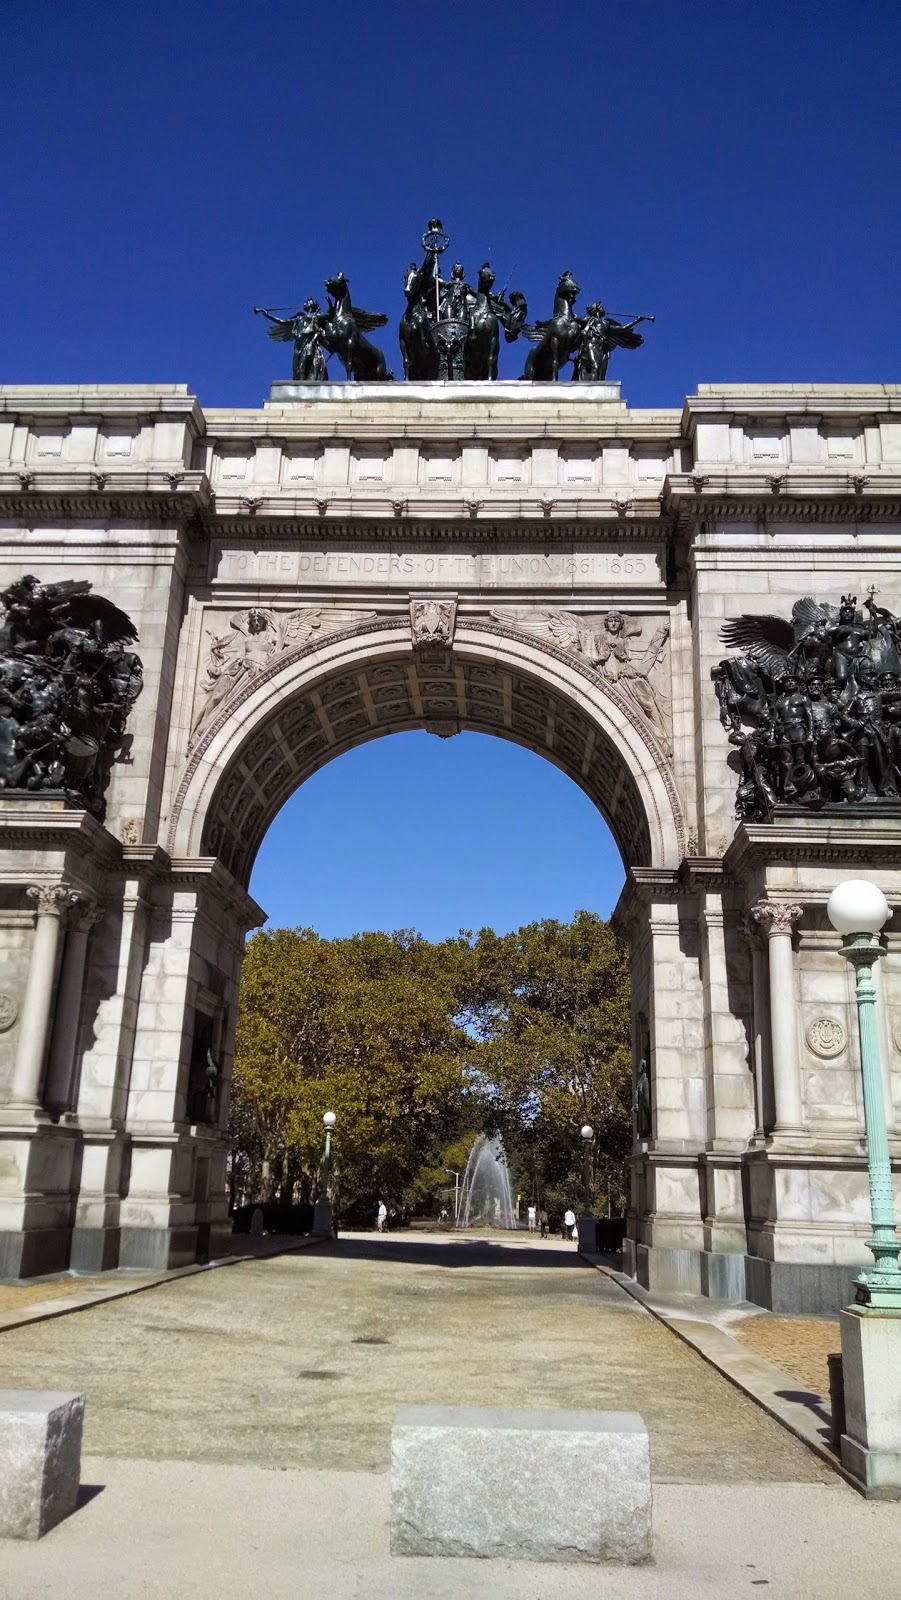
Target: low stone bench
{"x": 40, "y": 1459}
{"x": 534, "y": 1485}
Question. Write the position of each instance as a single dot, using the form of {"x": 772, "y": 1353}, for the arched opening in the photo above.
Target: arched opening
{"x": 412, "y": 831}
{"x": 301, "y": 713}
{"x": 296, "y": 715}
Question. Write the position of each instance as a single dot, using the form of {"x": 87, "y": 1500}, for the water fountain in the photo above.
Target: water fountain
{"x": 486, "y": 1198}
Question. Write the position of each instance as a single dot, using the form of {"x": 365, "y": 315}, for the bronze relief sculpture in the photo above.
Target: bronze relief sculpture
{"x": 813, "y": 706}
{"x": 67, "y": 685}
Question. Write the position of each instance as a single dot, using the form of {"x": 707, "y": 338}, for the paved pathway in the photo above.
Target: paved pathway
{"x": 301, "y": 1360}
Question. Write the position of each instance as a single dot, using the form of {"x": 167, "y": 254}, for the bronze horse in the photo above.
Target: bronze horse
{"x": 418, "y": 345}
{"x": 557, "y": 339}
{"x": 342, "y": 334}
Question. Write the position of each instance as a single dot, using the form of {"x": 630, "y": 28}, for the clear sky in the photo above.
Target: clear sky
{"x": 731, "y": 167}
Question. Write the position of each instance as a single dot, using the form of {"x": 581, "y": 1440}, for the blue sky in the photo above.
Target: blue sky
{"x": 731, "y": 167}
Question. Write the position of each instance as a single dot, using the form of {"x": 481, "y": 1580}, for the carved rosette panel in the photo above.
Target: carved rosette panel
{"x": 826, "y": 1037}
{"x": 9, "y": 1011}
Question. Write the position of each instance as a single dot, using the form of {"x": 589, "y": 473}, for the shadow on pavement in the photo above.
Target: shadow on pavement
{"x": 451, "y": 1253}
{"x": 813, "y": 1402}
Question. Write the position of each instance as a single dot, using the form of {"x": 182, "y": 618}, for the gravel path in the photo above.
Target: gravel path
{"x": 301, "y": 1360}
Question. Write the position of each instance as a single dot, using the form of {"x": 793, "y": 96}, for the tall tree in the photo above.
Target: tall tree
{"x": 550, "y": 1008}
{"x": 364, "y": 1027}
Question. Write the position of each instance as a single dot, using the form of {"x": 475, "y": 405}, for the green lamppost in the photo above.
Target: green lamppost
{"x": 871, "y": 1328}
{"x": 323, "y": 1218}
{"x": 587, "y": 1222}
{"x": 858, "y": 910}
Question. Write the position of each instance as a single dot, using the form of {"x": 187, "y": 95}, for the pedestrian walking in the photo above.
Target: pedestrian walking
{"x": 532, "y": 1217}
{"x": 382, "y": 1217}
{"x": 569, "y": 1223}
{"x": 542, "y": 1222}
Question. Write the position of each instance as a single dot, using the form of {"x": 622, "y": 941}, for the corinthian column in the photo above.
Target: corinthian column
{"x": 58, "y": 1087}
{"x": 52, "y": 901}
{"x": 778, "y": 923}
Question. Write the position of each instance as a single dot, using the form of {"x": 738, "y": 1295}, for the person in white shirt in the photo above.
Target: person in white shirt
{"x": 569, "y": 1224}
{"x": 532, "y": 1215}
{"x": 382, "y": 1217}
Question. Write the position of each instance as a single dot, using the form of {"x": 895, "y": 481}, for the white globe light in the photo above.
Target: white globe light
{"x": 857, "y": 907}
{"x": 329, "y": 1119}
{"x": 587, "y": 1131}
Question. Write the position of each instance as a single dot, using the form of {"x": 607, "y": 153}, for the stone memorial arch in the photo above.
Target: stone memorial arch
{"x": 532, "y": 560}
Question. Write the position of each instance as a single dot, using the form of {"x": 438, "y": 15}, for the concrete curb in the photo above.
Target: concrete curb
{"x": 763, "y": 1382}
{"x": 64, "y": 1305}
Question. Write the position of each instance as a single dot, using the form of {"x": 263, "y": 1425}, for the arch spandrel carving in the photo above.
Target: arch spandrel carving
{"x": 309, "y": 705}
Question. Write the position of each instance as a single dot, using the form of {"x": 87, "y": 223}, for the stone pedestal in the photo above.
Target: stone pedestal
{"x": 528, "y": 1485}
{"x": 871, "y": 1366}
{"x": 40, "y": 1460}
{"x": 323, "y": 1220}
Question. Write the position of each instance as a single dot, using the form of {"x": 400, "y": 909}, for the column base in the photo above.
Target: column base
{"x": 797, "y": 1287}
{"x": 157, "y": 1249}
{"x": 34, "y": 1252}
{"x": 877, "y": 1473}
{"x": 95, "y": 1249}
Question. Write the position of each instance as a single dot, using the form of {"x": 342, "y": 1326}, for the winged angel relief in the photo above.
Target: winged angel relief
{"x": 605, "y": 643}
{"x": 255, "y": 638}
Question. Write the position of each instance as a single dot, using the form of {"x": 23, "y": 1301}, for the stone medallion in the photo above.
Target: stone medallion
{"x": 9, "y": 1010}
{"x": 826, "y": 1036}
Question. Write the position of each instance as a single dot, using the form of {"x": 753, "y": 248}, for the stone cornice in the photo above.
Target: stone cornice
{"x": 863, "y": 836}
{"x": 51, "y": 825}
{"x": 96, "y": 401}
{"x": 91, "y": 494}
{"x": 448, "y": 519}
{"x": 732, "y": 402}
{"x": 208, "y": 872}
{"x": 784, "y": 493}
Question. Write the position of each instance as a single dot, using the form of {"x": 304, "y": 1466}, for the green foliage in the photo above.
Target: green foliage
{"x": 550, "y": 1006}
{"x": 364, "y": 1027}
{"x": 417, "y": 1047}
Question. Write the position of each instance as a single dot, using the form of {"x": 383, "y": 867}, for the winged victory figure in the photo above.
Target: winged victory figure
{"x": 603, "y": 641}
{"x": 256, "y": 637}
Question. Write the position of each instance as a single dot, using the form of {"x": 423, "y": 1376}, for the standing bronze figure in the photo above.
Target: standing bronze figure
{"x": 305, "y": 328}
{"x": 451, "y": 330}
{"x": 601, "y": 335}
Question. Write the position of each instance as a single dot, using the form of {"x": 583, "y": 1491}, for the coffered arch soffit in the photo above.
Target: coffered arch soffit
{"x": 369, "y": 681}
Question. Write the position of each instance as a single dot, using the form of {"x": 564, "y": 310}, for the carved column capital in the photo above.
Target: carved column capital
{"x": 773, "y": 917}
{"x": 86, "y": 914}
{"x": 52, "y": 899}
